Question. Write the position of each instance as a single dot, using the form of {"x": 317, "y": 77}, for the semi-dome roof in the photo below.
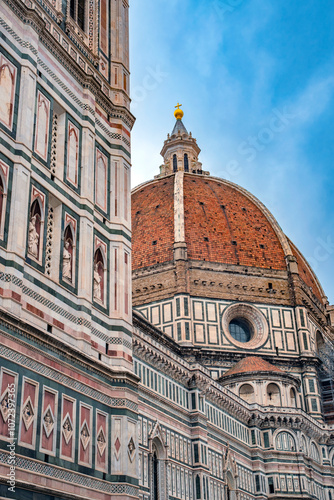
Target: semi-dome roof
{"x": 252, "y": 364}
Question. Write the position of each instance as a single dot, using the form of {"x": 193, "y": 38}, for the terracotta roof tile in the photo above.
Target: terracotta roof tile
{"x": 153, "y": 223}
{"x": 223, "y": 225}
{"x": 252, "y": 364}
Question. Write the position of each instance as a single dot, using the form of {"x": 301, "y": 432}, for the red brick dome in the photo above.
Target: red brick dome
{"x": 222, "y": 223}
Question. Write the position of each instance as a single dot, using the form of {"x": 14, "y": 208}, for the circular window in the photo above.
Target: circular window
{"x": 245, "y": 326}
{"x": 240, "y": 329}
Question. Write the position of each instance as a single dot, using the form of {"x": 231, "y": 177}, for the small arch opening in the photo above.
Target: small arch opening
{"x": 99, "y": 271}
{"x": 246, "y": 392}
{"x": 174, "y": 163}
{"x": 293, "y": 398}
{"x": 68, "y": 254}
{"x": 34, "y": 232}
{"x": 273, "y": 395}
{"x": 186, "y": 163}
{"x": 320, "y": 343}
{"x": 285, "y": 442}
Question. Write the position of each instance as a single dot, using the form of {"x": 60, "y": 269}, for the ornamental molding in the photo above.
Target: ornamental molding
{"x": 251, "y": 415}
{"x": 42, "y": 369}
{"x": 33, "y": 17}
{"x": 74, "y": 478}
{"x": 55, "y": 345}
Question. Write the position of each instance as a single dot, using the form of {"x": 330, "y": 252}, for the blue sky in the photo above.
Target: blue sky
{"x": 256, "y": 81}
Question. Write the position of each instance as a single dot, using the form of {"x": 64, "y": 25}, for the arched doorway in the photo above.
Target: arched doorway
{"x": 230, "y": 486}
{"x": 155, "y": 475}
{"x": 158, "y": 471}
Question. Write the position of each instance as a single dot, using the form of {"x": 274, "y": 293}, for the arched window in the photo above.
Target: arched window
{"x": 68, "y": 254}
{"x": 319, "y": 340}
{"x": 174, "y": 163}
{"x": 246, "y": 392}
{"x": 314, "y": 453}
{"x": 285, "y": 442}
{"x": 293, "y": 398}
{"x": 78, "y": 12}
{"x": 231, "y": 486}
{"x": 273, "y": 395}
{"x": 35, "y": 230}
{"x": 198, "y": 487}
{"x": 186, "y": 163}
{"x": 99, "y": 279}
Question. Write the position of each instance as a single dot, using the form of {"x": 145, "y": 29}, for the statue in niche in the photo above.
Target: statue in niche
{"x": 67, "y": 261}
{"x": 97, "y": 283}
{"x": 33, "y": 237}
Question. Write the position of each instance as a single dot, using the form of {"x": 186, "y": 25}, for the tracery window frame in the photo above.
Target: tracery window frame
{"x": 285, "y": 441}
{"x": 174, "y": 163}
{"x": 88, "y": 35}
{"x": 74, "y": 6}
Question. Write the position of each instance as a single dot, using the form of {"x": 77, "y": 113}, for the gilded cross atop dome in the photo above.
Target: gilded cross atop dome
{"x": 178, "y": 113}
{"x": 180, "y": 150}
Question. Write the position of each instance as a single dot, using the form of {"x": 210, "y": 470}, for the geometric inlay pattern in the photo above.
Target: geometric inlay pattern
{"x": 67, "y": 428}
{"x": 48, "y": 421}
{"x": 63, "y": 312}
{"x": 4, "y": 405}
{"x": 28, "y": 413}
{"x": 84, "y": 435}
{"x": 131, "y": 449}
{"x": 117, "y": 445}
{"x": 71, "y": 477}
{"x": 101, "y": 441}
{"x": 42, "y": 369}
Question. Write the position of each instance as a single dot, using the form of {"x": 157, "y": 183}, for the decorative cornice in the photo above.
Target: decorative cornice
{"x": 67, "y": 353}
{"x": 32, "y": 17}
{"x": 152, "y": 345}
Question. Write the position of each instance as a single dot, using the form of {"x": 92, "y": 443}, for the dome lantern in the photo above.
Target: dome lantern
{"x": 180, "y": 150}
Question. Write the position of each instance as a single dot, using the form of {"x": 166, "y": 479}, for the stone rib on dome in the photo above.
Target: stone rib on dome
{"x": 306, "y": 274}
{"x": 222, "y": 225}
{"x": 252, "y": 364}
